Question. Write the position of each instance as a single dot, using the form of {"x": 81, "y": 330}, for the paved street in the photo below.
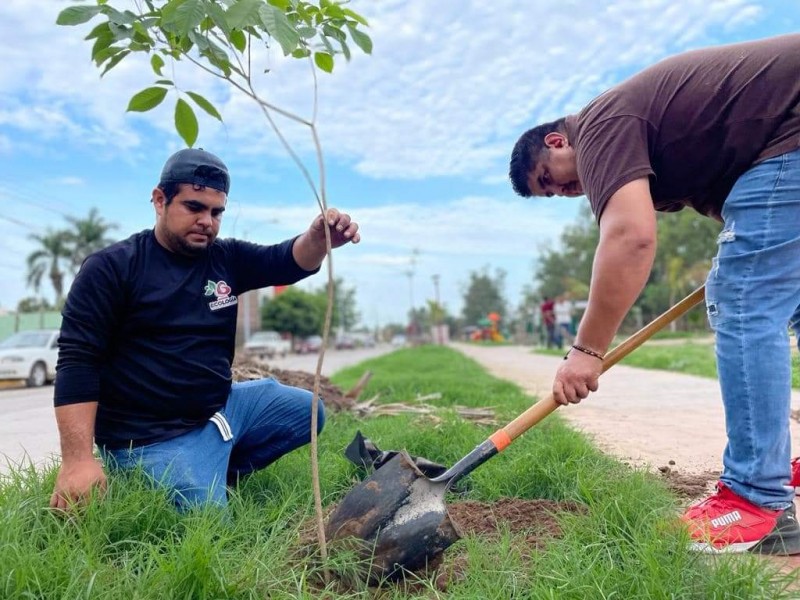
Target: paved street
{"x": 28, "y": 429}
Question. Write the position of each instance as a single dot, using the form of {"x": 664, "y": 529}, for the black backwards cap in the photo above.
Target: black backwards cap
{"x": 195, "y": 165}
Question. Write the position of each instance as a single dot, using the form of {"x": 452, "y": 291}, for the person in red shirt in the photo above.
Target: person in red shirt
{"x": 549, "y": 322}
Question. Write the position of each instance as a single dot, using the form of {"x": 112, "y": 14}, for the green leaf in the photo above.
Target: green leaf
{"x": 361, "y": 39}
{"x": 75, "y": 15}
{"x": 334, "y": 32}
{"x": 284, "y": 5}
{"x": 327, "y": 43}
{"x": 186, "y": 122}
{"x": 101, "y": 44}
{"x": 140, "y": 34}
{"x": 106, "y": 54}
{"x": 157, "y": 63}
{"x": 243, "y": 14}
{"x": 301, "y": 53}
{"x": 334, "y": 11}
{"x": 187, "y": 16}
{"x": 355, "y": 16}
{"x": 115, "y": 61}
{"x": 238, "y": 39}
{"x": 307, "y": 32}
{"x": 279, "y": 27}
{"x": 205, "y": 105}
{"x": 147, "y": 99}
{"x": 345, "y": 49}
{"x": 324, "y": 61}
{"x": 100, "y": 30}
{"x": 217, "y": 15}
{"x": 119, "y": 18}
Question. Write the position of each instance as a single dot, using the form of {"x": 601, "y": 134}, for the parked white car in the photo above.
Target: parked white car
{"x": 30, "y": 355}
{"x": 267, "y": 344}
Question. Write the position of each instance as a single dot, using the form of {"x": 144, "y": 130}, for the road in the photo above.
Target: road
{"x": 28, "y": 432}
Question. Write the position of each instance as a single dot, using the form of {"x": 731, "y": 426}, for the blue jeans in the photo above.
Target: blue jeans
{"x": 752, "y": 297}
{"x": 261, "y": 421}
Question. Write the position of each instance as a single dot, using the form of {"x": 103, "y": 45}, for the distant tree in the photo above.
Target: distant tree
{"x": 32, "y": 304}
{"x": 686, "y": 243}
{"x": 484, "y": 295}
{"x": 295, "y": 312}
{"x": 569, "y": 267}
{"x": 345, "y": 309}
{"x": 88, "y": 235}
{"x": 50, "y": 259}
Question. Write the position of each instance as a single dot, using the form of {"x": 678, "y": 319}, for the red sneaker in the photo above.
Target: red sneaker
{"x": 795, "y": 480}
{"x": 726, "y": 522}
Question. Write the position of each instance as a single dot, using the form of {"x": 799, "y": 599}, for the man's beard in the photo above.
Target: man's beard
{"x": 180, "y": 245}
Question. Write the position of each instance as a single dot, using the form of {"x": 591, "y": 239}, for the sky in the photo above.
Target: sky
{"x": 416, "y": 137}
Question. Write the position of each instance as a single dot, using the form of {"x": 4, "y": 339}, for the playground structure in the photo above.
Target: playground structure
{"x": 488, "y": 329}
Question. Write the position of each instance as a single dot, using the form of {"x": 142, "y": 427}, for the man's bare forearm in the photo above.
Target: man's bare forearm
{"x": 620, "y": 272}
{"x": 309, "y": 252}
{"x": 76, "y": 429}
{"x": 622, "y": 263}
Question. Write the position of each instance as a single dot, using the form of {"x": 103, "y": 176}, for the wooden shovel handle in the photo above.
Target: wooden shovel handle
{"x": 541, "y": 409}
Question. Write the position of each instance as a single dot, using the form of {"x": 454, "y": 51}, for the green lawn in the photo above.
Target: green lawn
{"x": 133, "y": 545}
{"x": 691, "y": 357}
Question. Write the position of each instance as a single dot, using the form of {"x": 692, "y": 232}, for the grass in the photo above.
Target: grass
{"x": 134, "y": 545}
{"x": 690, "y": 357}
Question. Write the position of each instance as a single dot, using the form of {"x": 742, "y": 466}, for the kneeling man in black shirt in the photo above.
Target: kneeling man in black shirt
{"x": 147, "y": 341}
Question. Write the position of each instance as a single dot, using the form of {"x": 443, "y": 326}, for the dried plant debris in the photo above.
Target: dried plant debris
{"x": 246, "y": 369}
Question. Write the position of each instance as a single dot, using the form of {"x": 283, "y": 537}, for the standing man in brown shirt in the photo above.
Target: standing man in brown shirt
{"x": 717, "y": 130}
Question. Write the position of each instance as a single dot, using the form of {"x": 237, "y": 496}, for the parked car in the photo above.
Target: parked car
{"x": 345, "y": 342}
{"x": 31, "y": 356}
{"x": 398, "y": 340}
{"x": 310, "y": 344}
{"x": 267, "y": 344}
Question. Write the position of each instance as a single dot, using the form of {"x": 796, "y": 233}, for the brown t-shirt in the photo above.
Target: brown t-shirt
{"x": 693, "y": 123}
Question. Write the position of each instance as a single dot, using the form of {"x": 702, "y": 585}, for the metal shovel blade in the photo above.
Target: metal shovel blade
{"x": 395, "y": 520}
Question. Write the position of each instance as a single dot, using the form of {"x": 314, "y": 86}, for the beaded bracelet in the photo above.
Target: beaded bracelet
{"x": 585, "y": 351}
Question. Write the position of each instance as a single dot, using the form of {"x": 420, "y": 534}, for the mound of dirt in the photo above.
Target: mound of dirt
{"x": 247, "y": 369}
{"x": 536, "y": 518}
{"x": 688, "y": 486}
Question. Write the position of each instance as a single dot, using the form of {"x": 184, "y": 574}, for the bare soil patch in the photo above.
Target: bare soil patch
{"x": 246, "y": 369}
{"x": 688, "y": 486}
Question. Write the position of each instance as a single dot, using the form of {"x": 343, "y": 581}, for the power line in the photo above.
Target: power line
{"x": 20, "y": 223}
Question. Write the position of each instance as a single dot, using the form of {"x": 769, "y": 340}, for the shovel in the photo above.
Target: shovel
{"x": 396, "y": 520}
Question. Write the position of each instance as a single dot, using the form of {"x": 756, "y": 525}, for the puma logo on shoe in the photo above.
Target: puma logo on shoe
{"x": 726, "y": 519}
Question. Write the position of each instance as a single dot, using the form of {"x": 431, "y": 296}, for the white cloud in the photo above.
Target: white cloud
{"x": 451, "y": 239}
{"x": 449, "y": 87}
{"x": 445, "y": 93}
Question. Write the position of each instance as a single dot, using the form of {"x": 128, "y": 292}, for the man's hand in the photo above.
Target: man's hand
{"x": 343, "y": 229}
{"x": 309, "y": 249}
{"x": 75, "y": 483}
{"x": 576, "y": 377}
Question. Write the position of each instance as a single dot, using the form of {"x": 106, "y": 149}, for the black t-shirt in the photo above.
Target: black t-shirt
{"x": 150, "y": 334}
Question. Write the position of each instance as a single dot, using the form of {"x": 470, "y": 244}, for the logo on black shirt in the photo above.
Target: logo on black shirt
{"x": 222, "y": 291}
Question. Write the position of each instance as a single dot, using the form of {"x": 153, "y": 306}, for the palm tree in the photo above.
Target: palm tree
{"x": 89, "y": 235}
{"x": 47, "y": 260}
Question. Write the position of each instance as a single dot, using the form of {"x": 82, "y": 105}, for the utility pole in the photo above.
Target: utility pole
{"x": 412, "y": 262}
{"x": 438, "y": 321}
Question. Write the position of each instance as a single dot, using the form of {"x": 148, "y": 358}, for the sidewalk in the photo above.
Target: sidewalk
{"x": 641, "y": 416}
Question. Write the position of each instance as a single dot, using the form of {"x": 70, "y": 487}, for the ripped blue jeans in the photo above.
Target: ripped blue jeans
{"x": 752, "y": 298}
